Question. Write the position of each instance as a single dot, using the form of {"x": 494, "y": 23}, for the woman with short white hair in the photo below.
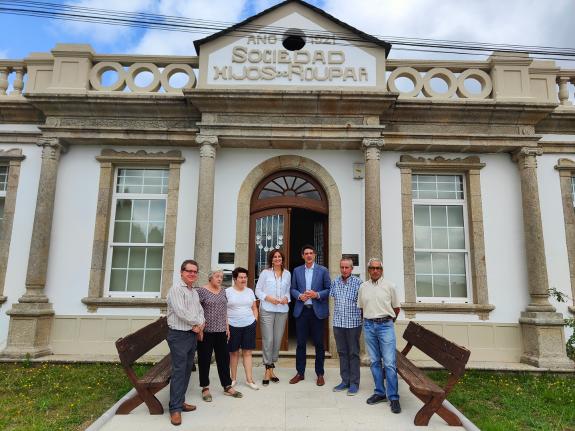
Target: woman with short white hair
{"x": 214, "y": 338}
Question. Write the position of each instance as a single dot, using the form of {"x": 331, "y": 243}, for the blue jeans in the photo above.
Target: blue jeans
{"x": 380, "y": 343}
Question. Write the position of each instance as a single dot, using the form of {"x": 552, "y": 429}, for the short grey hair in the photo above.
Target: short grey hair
{"x": 374, "y": 259}
{"x": 213, "y": 272}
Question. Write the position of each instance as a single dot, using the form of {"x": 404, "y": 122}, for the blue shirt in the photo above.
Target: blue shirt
{"x": 346, "y": 314}
{"x": 308, "y": 272}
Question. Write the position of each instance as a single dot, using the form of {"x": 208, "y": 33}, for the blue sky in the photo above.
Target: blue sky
{"x": 525, "y": 22}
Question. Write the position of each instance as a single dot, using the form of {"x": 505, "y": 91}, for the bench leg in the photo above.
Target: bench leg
{"x": 142, "y": 395}
{"x": 434, "y": 405}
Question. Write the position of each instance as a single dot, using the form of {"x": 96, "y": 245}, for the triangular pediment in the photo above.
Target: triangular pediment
{"x": 292, "y": 45}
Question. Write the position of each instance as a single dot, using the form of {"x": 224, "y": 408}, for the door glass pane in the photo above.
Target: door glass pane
{"x": 269, "y": 234}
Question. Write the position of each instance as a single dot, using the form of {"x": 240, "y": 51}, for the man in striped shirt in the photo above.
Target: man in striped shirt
{"x": 185, "y": 320}
{"x": 347, "y": 326}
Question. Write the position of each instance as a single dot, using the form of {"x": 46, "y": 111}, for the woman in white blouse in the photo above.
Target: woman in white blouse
{"x": 273, "y": 291}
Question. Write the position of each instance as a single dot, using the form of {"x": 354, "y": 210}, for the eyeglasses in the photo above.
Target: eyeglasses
{"x": 376, "y": 268}
{"x": 191, "y": 271}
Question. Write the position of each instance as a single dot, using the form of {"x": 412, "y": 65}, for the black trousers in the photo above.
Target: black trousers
{"x": 182, "y": 348}
{"x": 214, "y": 342}
{"x": 308, "y": 324}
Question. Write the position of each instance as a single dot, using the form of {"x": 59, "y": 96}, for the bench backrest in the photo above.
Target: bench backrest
{"x": 134, "y": 346}
{"x": 448, "y": 354}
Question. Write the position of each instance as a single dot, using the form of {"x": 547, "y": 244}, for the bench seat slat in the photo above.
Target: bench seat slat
{"x": 159, "y": 374}
{"x": 415, "y": 378}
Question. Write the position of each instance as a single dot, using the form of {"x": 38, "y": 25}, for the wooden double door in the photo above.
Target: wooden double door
{"x": 288, "y": 210}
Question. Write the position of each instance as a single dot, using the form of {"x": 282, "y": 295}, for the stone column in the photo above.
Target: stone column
{"x": 373, "y": 240}
{"x": 542, "y": 326}
{"x": 31, "y": 318}
{"x": 205, "y": 208}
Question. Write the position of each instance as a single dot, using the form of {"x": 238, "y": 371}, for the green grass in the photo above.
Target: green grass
{"x": 513, "y": 401}
{"x": 40, "y": 396}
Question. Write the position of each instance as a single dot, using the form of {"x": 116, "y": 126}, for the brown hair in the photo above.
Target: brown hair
{"x": 189, "y": 261}
{"x": 271, "y": 257}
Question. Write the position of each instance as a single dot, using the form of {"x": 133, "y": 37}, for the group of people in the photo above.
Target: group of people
{"x": 221, "y": 322}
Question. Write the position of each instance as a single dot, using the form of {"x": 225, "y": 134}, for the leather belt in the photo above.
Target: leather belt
{"x": 380, "y": 319}
{"x": 308, "y": 305}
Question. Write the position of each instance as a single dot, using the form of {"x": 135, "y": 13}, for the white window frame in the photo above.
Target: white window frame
{"x": 112, "y": 244}
{"x": 466, "y": 251}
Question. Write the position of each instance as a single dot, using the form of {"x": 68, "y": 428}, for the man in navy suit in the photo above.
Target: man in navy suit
{"x": 310, "y": 288}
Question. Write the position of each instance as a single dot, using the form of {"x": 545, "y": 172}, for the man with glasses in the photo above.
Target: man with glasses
{"x": 378, "y": 300}
{"x": 185, "y": 320}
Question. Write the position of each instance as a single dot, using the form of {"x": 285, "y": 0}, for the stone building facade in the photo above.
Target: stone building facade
{"x": 291, "y": 127}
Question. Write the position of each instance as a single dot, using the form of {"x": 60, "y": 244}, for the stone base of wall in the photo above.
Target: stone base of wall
{"x": 84, "y": 335}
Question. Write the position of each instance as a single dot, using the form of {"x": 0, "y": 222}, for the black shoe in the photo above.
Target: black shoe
{"x": 375, "y": 399}
{"x": 395, "y": 407}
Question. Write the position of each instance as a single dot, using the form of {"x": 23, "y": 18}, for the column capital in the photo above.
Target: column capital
{"x": 52, "y": 148}
{"x": 526, "y": 156}
{"x": 372, "y": 147}
{"x": 208, "y": 144}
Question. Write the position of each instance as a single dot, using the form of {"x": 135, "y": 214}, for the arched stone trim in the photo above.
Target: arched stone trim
{"x": 275, "y": 164}
{"x": 318, "y": 172}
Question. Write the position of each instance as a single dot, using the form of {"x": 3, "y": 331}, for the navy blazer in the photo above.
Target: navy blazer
{"x": 320, "y": 283}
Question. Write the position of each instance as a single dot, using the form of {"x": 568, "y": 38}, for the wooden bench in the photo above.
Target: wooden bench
{"x": 448, "y": 354}
{"x": 133, "y": 347}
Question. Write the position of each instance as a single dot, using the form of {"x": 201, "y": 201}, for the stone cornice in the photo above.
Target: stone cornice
{"x": 440, "y": 163}
{"x": 11, "y": 154}
{"x": 140, "y": 156}
{"x": 95, "y": 303}
{"x": 565, "y": 165}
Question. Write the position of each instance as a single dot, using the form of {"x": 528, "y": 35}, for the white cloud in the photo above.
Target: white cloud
{"x": 180, "y": 43}
{"x": 520, "y": 22}
{"x": 103, "y": 33}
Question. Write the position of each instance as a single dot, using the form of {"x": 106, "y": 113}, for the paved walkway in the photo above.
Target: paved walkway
{"x": 282, "y": 406}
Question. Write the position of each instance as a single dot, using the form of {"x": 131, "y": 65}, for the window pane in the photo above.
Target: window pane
{"x": 422, "y": 263}
{"x": 135, "y": 280}
{"x": 439, "y": 238}
{"x": 437, "y": 186}
{"x": 458, "y": 286}
{"x": 154, "y": 258}
{"x": 3, "y": 178}
{"x": 268, "y": 194}
{"x": 422, "y": 237}
{"x": 421, "y": 215}
{"x": 310, "y": 195}
{"x": 440, "y": 263}
{"x": 123, "y": 209}
{"x": 137, "y": 257}
{"x": 438, "y": 216}
{"x": 121, "y": 231}
{"x": 155, "y": 232}
{"x": 157, "y": 210}
{"x": 455, "y": 216}
{"x": 139, "y": 231}
{"x": 423, "y": 285}
{"x": 118, "y": 280}
{"x": 456, "y": 238}
{"x": 447, "y": 195}
{"x": 2, "y": 208}
{"x": 441, "y": 285}
{"x": 140, "y": 212}
{"x": 457, "y": 263}
{"x": 120, "y": 257}
{"x": 153, "y": 281}
{"x": 427, "y": 194}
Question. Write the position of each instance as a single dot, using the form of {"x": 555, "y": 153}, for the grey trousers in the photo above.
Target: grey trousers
{"x": 347, "y": 342}
{"x": 272, "y": 325}
{"x": 182, "y": 348}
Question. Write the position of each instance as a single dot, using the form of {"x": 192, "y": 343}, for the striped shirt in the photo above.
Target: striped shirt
{"x": 184, "y": 309}
{"x": 215, "y": 309}
{"x": 345, "y": 312}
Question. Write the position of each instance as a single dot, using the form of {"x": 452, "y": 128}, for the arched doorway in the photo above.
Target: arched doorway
{"x": 288, "y": 209}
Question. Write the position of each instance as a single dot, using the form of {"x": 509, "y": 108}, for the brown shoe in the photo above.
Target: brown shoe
{"x": 188, "y": 407}
{"x": 296, "y": 379}
{"x": 320, "y": 381}
{"x": 176, "y": 418}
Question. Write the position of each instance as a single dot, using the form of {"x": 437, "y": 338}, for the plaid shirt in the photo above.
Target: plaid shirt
{"x": 346, "y": 314}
